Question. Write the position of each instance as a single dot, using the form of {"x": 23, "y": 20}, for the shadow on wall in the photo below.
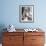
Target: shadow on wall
{"x": 2, "y": 26}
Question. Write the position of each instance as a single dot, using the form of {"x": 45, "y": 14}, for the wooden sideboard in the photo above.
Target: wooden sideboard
{"x": 23, "y": 39}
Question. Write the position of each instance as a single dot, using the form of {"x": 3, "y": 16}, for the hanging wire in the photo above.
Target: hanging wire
{"x": 33, "y": 2}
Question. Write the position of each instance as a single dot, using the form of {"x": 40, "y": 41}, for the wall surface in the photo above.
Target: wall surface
{"x": 9, "y": 13}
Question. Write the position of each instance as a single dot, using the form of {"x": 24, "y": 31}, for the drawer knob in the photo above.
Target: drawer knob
{"x": 33, "y": 39}
{"x": 10, "y": 38}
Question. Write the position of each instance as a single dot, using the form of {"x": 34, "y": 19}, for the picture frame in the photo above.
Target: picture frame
{"x": 26, "y": 13}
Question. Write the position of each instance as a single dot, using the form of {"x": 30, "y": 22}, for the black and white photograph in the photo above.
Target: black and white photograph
{"x": 26, "y": 13}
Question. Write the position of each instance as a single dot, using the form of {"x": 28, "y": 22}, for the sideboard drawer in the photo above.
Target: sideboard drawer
{"x": 34, "y": 33}
{"x": 13, "y": 33}
{"x": 37, "y": 39}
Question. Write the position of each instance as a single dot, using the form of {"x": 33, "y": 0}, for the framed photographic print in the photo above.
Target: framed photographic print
{"x": 26, "y": 13}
